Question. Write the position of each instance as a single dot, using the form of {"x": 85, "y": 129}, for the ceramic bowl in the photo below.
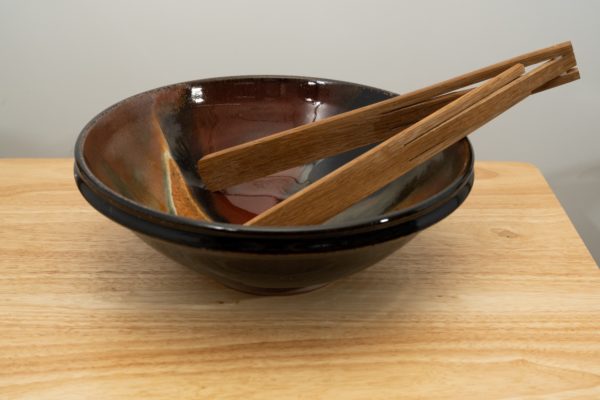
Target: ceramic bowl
{"x": 135, "y": 163}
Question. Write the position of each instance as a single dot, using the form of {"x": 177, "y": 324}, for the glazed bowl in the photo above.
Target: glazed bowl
{"x": 135, "y": 163}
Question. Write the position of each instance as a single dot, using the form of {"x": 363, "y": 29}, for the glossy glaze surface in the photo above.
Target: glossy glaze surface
{"x": 146, "y": 148}
{"x": 135, "y": 163}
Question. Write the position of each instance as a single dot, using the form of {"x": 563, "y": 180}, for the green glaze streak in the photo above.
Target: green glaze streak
{"x": 167, "y": 181}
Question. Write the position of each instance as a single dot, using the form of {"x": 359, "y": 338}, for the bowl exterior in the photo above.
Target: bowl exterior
{"x": 269, "y": 274}
{"x": 265, "y": 266}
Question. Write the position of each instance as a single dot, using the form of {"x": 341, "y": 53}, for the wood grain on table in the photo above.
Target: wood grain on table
{"x": 500, "y": 300}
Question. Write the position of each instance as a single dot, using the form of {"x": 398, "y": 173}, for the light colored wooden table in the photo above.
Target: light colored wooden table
{"x": 500, "y": 300}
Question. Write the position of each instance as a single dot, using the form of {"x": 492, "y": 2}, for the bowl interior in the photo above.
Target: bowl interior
{"x": 145, "y": 148}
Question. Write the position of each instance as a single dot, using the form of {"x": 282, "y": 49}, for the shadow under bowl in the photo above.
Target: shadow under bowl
{"x": 135, "y": 163}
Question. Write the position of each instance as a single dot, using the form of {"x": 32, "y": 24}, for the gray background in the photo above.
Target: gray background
{"x": 62, "y": 61}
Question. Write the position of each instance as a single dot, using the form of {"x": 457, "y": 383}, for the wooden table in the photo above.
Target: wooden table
{"x": 500, "y": 300}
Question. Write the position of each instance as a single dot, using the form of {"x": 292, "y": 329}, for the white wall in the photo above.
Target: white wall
{"x": 63, "y": 61}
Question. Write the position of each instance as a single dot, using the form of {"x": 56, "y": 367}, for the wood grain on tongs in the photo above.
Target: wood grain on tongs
{"x": 356, "y": 128}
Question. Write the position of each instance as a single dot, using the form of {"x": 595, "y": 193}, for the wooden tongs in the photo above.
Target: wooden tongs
{"x": 411, "y": 128}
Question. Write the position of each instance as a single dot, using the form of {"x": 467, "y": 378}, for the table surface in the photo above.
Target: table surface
{"x": 499, "y": 300}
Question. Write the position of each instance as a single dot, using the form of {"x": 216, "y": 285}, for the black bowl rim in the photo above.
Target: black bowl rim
{"x": 304, "y": 242}
{"x": 221, "y": 229}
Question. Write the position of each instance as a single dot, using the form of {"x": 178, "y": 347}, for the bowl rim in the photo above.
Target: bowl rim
{"x": 83, "y": 172}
